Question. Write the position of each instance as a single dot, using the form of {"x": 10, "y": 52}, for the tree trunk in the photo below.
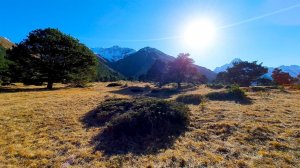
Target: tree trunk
{"x": 178, "y": 85}
{"x": 50, "y": 85}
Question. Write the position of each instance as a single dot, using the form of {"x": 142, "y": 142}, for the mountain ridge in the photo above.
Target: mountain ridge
{"x": 113, "y": 53}
{"x": 140, "y": 62}
{"x": 293, "y": 70}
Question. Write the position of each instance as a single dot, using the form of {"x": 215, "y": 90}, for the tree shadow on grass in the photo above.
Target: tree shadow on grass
{"x": 224, "y": 96}
{"x": 111, "y": 145}
{"x": 15, "y": 90}
{"x": 163, "y": 93}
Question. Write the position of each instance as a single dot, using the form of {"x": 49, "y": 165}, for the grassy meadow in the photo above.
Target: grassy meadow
{"x": 42, "y": 128}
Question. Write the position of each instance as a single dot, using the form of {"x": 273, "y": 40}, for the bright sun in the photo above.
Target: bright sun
{"x": 199, "y": 34}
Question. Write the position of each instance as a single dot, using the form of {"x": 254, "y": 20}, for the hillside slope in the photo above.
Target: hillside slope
{"x": 4, "y": 42}
{"x": 140, "y": 62}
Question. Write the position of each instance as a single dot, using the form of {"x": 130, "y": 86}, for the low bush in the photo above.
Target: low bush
{"x": 259, "y": 89}
{"x": 145, "y": 122}
{"x": 195, "y": 99}
{"x": 114, "y": 84}
{"x": 215, "y": 86}
{"x": 233, "y": 93}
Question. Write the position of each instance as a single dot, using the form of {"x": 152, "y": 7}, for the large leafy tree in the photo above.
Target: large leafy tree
{"x": 178, "y": 71}
{"x": 182, "y": 69}
{"x": 282, "y": 78}
{"x": 48, "y": 55}
{"x": 242, "y": 73}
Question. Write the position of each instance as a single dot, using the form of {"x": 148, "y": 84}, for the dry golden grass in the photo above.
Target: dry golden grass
{"x": 41, "y": 128}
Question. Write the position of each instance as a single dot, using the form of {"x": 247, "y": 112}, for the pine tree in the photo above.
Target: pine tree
{"x": 48, "y": 55}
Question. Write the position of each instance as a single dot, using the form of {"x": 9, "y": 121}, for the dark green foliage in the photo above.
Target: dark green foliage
{"x": 140, "y": 124}
{"x": 264, "y": 82}
{"x": 233, "y": 93}
{"x": 190, "y": 99}
{"x": 4, "y": 65}
{"x": 48, "y": 55}
{"x": 215, "y": 86}
{"x": 242, "y": 73}
{"x": 114, "y": 84}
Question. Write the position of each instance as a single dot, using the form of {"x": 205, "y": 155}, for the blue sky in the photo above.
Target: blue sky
{"x": 263, "y": 30}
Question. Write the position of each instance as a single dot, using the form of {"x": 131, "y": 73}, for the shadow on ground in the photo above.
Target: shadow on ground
{"x": 163, "y": 93}
{"x": 15, "y": 90}
{"x": 223, "y": 96}
{"x": 138, "y": 145}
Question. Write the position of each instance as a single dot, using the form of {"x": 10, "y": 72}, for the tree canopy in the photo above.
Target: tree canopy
{"x": 178, "y": 71}
{"x": 48, "y": 55}
{"x": 4, "y": 64}
{"x": 282, "y": 78}
{"x": 242, "y": 73}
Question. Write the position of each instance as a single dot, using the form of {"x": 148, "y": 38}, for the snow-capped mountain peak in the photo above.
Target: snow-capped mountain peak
{"x": 224, "y": 67}
{"x": 113, "y": 53}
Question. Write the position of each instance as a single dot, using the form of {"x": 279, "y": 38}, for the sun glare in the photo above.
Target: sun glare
{"x": 199, "y": 34}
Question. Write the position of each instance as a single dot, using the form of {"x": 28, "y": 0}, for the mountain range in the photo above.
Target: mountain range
{"x": 137, "y": 63}
{"x": 116, "y": 62}
{"x": 113, "y": 53}
{"x": 293, "y": 70}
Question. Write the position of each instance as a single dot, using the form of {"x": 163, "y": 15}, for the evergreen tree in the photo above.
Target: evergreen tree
{"x": 48, "y": 55}
{"x": 182, "y": 69}
{"x": 242, "y": 73}
{"x": 4, "y": 65}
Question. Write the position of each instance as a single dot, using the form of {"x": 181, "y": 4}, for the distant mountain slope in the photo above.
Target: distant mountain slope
{"x": 293, "y": 70}
{"x": 140, "y": 62}
{"x": 105, "y": 73}
{"x": 4, "y": 42}
{"x": 113, "y": 53}
{"x": 207, "y": 72}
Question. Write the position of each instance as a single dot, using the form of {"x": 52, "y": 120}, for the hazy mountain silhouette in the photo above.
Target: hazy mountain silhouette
{"x": 293, "y": 70}
{"x": 139, "y": 63}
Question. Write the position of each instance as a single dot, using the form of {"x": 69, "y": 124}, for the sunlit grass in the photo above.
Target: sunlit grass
{"x": 41, "y": 128}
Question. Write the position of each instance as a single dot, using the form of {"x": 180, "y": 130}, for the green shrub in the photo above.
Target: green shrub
{"x": 236, "y": 92}
{"x": 190, "y": 99}
{"x": 140, "y": 123}
{"x": 233, "y": 93}
{"x": 215, "y": 86}
{"x": 145, "y": 117}
{"x": 114, "y": 84}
